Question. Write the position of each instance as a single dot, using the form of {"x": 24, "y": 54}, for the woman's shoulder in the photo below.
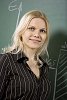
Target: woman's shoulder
{"x": 3, "y": 57}
{"x": 11, "y": 56}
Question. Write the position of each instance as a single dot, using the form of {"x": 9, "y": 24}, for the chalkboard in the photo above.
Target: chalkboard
{"x": 10, "y": 13}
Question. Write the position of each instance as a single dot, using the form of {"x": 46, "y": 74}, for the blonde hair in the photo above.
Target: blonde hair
{"x": 17, "y": 43}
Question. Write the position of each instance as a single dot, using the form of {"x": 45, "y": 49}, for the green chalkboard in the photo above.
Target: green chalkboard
{"x": 10, "y": 13}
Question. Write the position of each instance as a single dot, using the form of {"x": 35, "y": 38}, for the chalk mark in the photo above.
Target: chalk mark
{"x": 13, "y": 7}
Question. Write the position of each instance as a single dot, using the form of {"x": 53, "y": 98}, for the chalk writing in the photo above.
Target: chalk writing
{"x": 61, "y": 80}
{"x": 13, "y": 6}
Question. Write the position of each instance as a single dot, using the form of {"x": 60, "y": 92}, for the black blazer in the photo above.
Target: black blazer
{"x": 18, "y": 82}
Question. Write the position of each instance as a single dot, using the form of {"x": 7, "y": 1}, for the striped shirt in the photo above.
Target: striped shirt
{"x": 18, "y": 82}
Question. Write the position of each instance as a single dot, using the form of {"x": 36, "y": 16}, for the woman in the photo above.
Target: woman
{"x": 23, "y": 73}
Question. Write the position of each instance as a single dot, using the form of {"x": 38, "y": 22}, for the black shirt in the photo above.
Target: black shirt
{"x": 18, "y": 82}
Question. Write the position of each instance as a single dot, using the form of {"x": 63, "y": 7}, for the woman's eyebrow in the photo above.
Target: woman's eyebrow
{"x": 43, "y": 28}
{"x": 35, "y": 26}
{"x": 31, "y": 26}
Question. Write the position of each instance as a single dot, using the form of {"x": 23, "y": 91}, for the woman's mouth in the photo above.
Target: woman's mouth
{"x": 35, "y": 40}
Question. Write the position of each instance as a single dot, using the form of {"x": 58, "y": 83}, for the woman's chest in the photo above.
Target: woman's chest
{"x": 24, "y": 82}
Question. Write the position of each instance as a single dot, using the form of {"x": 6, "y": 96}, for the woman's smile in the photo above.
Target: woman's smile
{"x": 35, "y": 40}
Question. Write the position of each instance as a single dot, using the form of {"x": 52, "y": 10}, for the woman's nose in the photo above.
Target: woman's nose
{"x": 36, "y": 34}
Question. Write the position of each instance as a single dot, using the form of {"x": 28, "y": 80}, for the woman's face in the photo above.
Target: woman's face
{"x": 35, "y": 35}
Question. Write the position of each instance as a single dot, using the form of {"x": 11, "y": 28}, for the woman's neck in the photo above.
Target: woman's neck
{"x": 30, "y": 53}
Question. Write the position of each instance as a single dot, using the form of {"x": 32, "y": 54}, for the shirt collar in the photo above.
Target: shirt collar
{"x": 21, "y": 57}
{"x": 44, "y": 63}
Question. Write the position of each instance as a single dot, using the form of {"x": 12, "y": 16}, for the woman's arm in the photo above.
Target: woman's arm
{"x": 4, "y": 64}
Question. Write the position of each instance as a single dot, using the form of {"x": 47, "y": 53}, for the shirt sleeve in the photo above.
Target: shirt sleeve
{"x": 4, "y": 63}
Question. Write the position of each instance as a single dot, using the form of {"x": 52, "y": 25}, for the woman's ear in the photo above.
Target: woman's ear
{"x": 21, "y": 38}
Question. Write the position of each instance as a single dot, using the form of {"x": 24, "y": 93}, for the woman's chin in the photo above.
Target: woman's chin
{"x": 34, "y": 47}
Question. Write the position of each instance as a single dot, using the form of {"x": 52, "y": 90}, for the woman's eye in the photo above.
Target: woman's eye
{"x": 31, "y": 28}
{"x": 42, "y": 31}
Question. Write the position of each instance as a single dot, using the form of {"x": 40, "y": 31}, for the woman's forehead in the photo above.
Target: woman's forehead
{"x": 37, "y": 22}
